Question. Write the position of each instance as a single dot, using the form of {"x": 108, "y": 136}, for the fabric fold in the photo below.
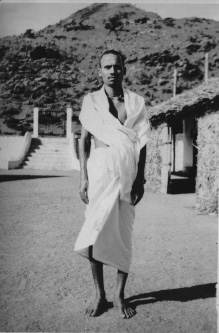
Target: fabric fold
{"x": 111, "y": 173}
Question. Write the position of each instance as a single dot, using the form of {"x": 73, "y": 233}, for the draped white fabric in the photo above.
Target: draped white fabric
{"x": 109, "y": 216}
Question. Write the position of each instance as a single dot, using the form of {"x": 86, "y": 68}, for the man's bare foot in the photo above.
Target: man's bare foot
{"x": 97, "y": 308}
{"x": 125, "y": 310}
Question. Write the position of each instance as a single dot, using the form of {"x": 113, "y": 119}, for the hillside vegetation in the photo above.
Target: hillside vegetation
{"x": 56, "y": 66}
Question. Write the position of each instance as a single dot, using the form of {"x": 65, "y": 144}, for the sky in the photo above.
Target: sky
{"x": 17, "y": 16}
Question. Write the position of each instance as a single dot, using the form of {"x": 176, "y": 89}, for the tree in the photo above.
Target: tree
{"x": 114, "y": 23}
{"x": 29, "y": 33}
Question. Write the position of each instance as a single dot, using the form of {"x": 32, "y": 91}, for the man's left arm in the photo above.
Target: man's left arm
{"x": 138, "y": 185}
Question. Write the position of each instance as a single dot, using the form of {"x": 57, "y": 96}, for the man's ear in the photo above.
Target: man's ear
{"x": 99, "y": 73}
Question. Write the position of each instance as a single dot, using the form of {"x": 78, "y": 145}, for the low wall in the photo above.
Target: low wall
{"x": 208, "y": 163}
{"x": 157, "y": 167}
{"x": 13, "y": 150}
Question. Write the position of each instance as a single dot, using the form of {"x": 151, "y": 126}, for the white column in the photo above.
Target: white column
{"x": 69, "y": 123}
{"x": 35, "y": 122}
{"x": 166, "y": 158}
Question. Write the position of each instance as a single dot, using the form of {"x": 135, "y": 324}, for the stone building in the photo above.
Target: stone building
{"x": 184, "y": 145}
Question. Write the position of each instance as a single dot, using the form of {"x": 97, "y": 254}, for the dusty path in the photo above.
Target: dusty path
{"x": 46, "y": 287}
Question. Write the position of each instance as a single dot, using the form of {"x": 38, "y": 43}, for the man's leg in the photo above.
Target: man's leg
{"x": 125, "y": 310}
{"x": 100, "y": 302}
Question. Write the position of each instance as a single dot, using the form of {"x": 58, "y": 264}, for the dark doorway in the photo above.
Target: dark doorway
{"x": 184, "y": 156}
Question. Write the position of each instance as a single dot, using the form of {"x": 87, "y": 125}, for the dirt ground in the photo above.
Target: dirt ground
{"x": 45, "y": 286}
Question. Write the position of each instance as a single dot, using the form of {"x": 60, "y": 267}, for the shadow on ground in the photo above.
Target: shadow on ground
{"x": 9, "y": 178}
{"x": 178, "y": 295}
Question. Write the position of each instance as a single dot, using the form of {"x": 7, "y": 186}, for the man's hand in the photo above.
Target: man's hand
{"x": 83, "y": 191}
{"x": 137, "y": 192}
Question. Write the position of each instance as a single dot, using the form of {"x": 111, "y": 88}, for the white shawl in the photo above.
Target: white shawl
{"x": 127, "y": 139}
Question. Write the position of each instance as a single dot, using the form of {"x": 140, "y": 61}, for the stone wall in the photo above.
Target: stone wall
{"x": 13, "y": 150}
{"x": 157, "y": 169}
{"x": 10, "y": 147}
{"x": 208, "y": 163}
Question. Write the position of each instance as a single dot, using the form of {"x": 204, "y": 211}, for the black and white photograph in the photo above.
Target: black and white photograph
{"x": 109, "y": 165}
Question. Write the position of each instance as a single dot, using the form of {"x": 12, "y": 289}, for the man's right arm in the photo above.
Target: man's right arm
{"x": 84, "y": 148}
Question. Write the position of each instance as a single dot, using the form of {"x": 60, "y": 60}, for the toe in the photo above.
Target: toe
{"x": 122, "y": 314}
{"x": 132, "y": 311}
{"x": 92, "y": 313}
{"x": 128, "y": 315}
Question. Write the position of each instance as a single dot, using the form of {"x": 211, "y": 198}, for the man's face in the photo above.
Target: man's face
{"x": 112, "y": 70}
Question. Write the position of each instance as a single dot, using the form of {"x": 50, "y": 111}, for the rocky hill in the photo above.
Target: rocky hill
{"x": 56, "y": 66}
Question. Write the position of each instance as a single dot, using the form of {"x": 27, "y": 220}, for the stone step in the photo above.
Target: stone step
{"x": 60, "y": 144}
{"x": 49, "y": 167}
{"x": 50, "y": 139}
{"x": 55, "y": 144}
{"x": 48, "y": 161}
{"x": 48, "y": 149}
{"x": 59, "y": 139}
{"x": 50, "y": 154}
{"x": 51, "y": 142}
{"x": 63, "y": 145}
{"x": 42, "y": 148}
{"x": 42, "y": 167}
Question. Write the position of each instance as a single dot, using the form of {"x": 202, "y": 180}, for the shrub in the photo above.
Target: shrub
{"x": 3, "y": 50}
{"x": 29, "y": 33}
{"x": 42, "y": 52}
{"x": 114, "y": 23}
{"x": 11, "y": 111}
{"x": 169, "y": 22}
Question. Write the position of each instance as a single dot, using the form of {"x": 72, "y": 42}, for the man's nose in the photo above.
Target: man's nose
{"x": 112, "y": 69}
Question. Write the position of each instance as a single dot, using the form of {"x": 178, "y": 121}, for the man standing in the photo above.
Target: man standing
{"x": 112, "y": 178}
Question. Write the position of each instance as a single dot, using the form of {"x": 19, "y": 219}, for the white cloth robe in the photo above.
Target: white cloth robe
{"x": 109, "y": 216}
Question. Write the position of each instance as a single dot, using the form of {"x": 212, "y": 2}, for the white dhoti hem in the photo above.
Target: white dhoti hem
{"x": 108, "y": 220}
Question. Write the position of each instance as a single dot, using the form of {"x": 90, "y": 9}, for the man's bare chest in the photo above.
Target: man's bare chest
{"x": 118, "y": 110}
